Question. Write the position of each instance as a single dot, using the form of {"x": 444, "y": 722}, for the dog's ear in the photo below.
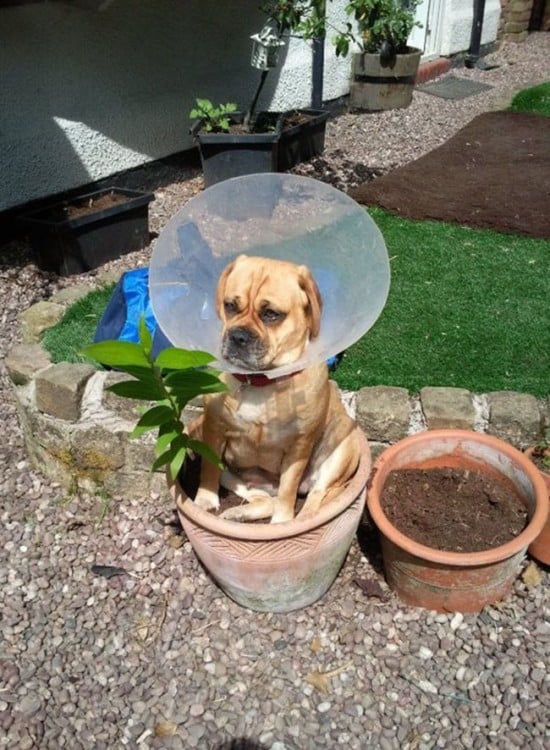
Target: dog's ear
{"x": 315, "y": 303}
{"x": 220, "y": 287}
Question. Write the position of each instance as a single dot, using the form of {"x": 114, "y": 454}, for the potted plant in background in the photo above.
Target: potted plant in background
{"x": 80, "y": 233}
{"x": 539, "y": 454}
{"x": 233, "y": 143}
{"x": 385, "y": 68}
{"x": 262, "y": 566}
{"x": 443, "y": 579}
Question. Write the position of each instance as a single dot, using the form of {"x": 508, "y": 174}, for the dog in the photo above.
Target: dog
{"x": 282, "y": 437}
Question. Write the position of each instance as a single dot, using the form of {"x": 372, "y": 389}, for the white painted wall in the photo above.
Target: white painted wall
{"x": 456, "y": 26}
{"x": 86, "y": 93}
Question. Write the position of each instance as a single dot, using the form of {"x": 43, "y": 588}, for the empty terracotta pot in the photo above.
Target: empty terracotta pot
{"x": 540, "y": 547}
{"x": 456, "y": 581}
{"x": 277, "y": 567}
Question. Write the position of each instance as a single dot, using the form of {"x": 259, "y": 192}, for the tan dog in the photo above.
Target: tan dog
{"x": 278, "y": 437}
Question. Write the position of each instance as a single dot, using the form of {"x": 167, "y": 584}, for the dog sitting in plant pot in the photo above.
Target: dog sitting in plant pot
{"x": 280, "y": 437}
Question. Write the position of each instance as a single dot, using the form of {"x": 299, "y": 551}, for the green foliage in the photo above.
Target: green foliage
{"x": 77, "y": 326}
{"x": 305, "y": 18}
{"x": 467, "y": 308}
{"x": 215, "y": 119}
{"x": 535, "y": 99}
{"x": 171, "y": 380}
{"x": 384, "y": 25}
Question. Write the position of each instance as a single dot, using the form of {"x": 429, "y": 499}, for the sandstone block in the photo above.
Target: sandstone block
{"x": 70, "y": 295}
{"x": 383, "y": 412}
{"x": 24, "y": 361}
{"x": 127, "y": 408}
{"x": 59, "y": 389}
{"x": 447, "y": 408}
{"x": 514, "y": 417}
{"x": 38, "y": 318}
{"x": 97, "y": 452}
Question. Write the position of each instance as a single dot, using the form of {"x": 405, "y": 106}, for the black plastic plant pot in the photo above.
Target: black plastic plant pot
{"x": 304, "y": 140}
{"x": 226, "y": 155}
{"x": 82, "y": 233}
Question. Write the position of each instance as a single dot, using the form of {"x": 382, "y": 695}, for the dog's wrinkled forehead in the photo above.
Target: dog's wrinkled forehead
{"x": 253, "y": 281}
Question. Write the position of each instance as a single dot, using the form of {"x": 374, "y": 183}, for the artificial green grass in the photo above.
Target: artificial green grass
{"x": 466, "y": 308}
{"x": 66, "y": 340}
{"x": 535, "y": 99}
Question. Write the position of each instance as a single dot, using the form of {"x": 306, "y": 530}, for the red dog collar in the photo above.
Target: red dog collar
{"x": 259, "y": 380}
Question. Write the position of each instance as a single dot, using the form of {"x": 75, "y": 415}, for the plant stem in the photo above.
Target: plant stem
{"x": 250, "y": 112}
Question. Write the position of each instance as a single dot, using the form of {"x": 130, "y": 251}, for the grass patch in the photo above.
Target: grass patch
{"x": 466, "y": 308}
{"x": 76, "y": 328}
{"x": 535, "y": 99}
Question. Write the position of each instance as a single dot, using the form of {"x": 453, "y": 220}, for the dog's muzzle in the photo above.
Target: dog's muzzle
{"x": 242, "y": 346}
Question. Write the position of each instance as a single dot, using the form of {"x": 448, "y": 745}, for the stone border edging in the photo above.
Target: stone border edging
{"x": 76, "y": 432}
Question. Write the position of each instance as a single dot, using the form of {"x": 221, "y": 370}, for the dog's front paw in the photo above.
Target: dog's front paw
{"x": 282, "y": 515}
{"x": 258, "y": 509}
{"x": 207, "y": 500}
{"x": 234, "y": 514}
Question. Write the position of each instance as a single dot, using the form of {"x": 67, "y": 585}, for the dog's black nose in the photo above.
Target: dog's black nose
{"x": 240, "y": 336}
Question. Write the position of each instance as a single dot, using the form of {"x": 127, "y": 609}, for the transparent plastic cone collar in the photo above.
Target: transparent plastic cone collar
{"x": 282, "y": 216}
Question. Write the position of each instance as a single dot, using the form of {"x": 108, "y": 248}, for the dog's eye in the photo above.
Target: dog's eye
{"x": 230, "y": 307}
{"x": 268, "y": 315}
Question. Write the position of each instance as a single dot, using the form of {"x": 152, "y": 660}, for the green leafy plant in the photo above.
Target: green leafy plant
{"x": 305, "y": 18}
{"x": 170, "y": 380}
{"x": 384, "y": 26}
{"x": 214, "y": 119}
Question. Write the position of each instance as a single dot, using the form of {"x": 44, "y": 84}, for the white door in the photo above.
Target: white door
{"x": 428, "y": 13}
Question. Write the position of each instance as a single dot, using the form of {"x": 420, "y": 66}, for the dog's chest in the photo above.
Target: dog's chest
{"x": 262, "y": 414}
{"x": 252, "y": 407}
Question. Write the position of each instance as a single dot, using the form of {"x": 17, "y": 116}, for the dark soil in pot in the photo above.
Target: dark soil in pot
{"x": 89, "y": 205}
{"x": 453, "y": 509}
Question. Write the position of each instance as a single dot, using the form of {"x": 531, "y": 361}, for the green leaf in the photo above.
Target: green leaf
{"x": 152, "y": 418}
{"x": 173, "y": 358}
{"x": 174, "y": 456}
{"x": 138, "y": 390}
{"x": 164, "y": 441}
{"x": 177, "y": 462}
{"x": 198, "y": 379}
{"x": 145, "y": 338}
{"x": 119, "y": 354}
{"x": 205, "y": 451}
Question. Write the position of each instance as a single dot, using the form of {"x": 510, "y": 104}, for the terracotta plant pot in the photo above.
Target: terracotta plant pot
{"x": 277, "y": 567}
{"x": 540, "y": 547}
{"x": 456, "y": 581}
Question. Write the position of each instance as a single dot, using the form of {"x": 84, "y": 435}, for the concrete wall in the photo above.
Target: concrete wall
{"x": 87, "y": 92}
{"x": 456, "y": 25}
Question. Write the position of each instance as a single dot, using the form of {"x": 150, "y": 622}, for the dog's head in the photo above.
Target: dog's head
{"x": 270, "y": 309}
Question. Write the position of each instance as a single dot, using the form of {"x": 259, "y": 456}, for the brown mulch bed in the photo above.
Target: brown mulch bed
{"x": 493, "y": 174}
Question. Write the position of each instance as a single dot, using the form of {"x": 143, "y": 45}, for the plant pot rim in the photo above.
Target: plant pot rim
{"x": 410, "y": 51}
{"x": 269, "y": 531}
{"x": 454, "y": 438}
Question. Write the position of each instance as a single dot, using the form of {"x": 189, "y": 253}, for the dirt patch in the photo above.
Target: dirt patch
{"x": 453, "y": 509}
{"x": 493, "y": 174}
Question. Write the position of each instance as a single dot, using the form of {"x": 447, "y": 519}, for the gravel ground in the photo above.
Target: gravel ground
{"x": 158, "y": 657}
